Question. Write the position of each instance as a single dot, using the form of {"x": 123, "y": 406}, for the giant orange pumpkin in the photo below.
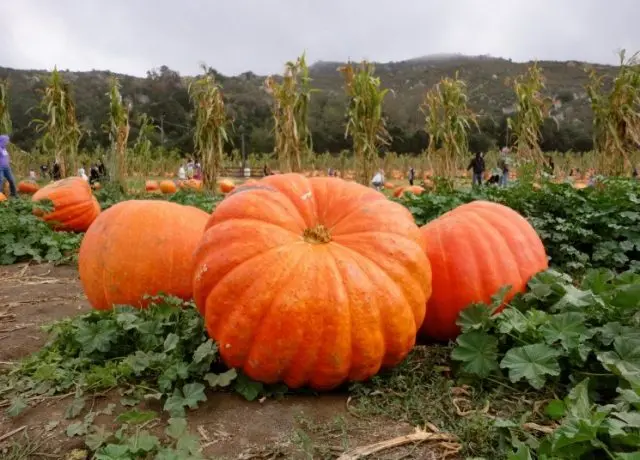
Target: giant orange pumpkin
{"x": 74, "y": 206}
{"x": 311, "y": 281}
{"x": 168, "y": 186}
{"x": 27, "y": 186}
{"x": 140, "y": 247}
{"x": 474, "y": 251}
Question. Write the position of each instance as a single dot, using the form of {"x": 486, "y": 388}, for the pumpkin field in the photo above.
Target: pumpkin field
{"x": 555, "y": 374}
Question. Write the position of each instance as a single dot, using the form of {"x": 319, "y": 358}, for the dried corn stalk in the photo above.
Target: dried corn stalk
{"x": 365, "y": 124}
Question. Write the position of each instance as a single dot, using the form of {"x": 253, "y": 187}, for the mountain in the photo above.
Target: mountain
{"x": 163, "y": 95}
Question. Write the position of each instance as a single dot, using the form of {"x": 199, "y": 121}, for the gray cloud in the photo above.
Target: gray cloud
{"x": 233, "y": 36}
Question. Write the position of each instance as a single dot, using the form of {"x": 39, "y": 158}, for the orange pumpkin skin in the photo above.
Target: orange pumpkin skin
{"x": 74, "y": 206}
{"x": 151, "y": 186}
{"x": 3, "y": 197}
{"x": 227, "y": 186}
{"x": 119, "y": 263}
{"x": 415, "y": 189}
{"x": 389, "y": 186}
{"x": 286, "y": 304}
{"x": 475, "y": 250}
{"x": 28, "y": 187}
{"x": 168, "y": 186}
{"x": 192, "y": 184}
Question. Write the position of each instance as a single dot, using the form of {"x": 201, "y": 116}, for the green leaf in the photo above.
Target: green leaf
{"x": 74, "y": 409}
{"x": 77, "y": 429}
{"x": 625, "y": 360}
{"x": 171, "y": 342}
{"x": 221, "y": 380}
{"x": 177, "y": 427}
{"x": 478, "y": 352}
{"x": 17, "y": 406}
{"x": 567, "y": 328}
{"x": 193, "y": 394}
{"x": 136, "y": 417}
{"x": 248, "y": 388}
{"x": 143, "y": 442}
{"x": 532, "y": 363}
{"x": 555, "y": 410}
{"x": 206, "y": 351}
{"x": 113, "y": 452}
{"x": 97, "y": 438}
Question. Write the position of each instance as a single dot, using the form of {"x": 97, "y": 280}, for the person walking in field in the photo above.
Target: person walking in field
{"x": 477, "y": 167}
{"x": 378, "y": 180}
{"x": 5, "y": 167}
{"x": 503, "y": 164}
{"x": 412, "y": 176}
{"x": 182, "y": 173}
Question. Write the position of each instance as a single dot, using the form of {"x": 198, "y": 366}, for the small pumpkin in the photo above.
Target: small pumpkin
{"x": 140, "y": 247}
{"x": 96, "y": 186}
{"x": 402, "y": 190}
{"x": 151, "y": 186}
{"x": 3, "y": 197}
{"x": 168, "y": 186}
{"x": 74, "y": 206}
{"x": 28, "y": 187}
{"x": 226, "y": 186}
{"x": 389, "y": 186}
{"x": 192, "y": 184}
{"x": 311, "y": 281}
{"x": 475, "y": 250}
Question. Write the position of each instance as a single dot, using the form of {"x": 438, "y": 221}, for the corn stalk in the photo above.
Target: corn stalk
{"x": 211, "y": 126}
{"x": 142, "y": 148}
{"x": 61, "y": 129}
{"x": 118, "y": 134}
{"x": 448, "y": 120}
{"x": 531, "y": 110}
{"x": 365, "y": 124}
{"x": 616, "y": 115}
{"x": 291, "y": 98}
{"x": 5, "y": 117}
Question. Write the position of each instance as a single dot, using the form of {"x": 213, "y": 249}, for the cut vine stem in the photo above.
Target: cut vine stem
{"x": 317, "y": 235}
{"x": 420, "y": 435}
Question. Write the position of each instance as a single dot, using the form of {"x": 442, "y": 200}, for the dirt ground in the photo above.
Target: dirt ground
{"x": 229, "y": 427}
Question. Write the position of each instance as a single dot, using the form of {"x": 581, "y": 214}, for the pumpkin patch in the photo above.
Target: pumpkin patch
{"x": 311, "y": 281}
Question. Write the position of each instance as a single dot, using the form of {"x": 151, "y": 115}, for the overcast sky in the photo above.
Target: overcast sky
{"x": 233, "y": 36}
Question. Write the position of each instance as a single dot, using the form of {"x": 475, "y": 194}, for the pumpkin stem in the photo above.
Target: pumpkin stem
{"x": 317, "y": 235}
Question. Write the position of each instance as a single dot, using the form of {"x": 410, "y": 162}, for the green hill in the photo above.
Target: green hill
{"x": 163, "y": 95}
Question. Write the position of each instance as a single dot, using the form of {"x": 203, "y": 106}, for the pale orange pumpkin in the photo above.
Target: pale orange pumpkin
{"x": 311, "y": 281}
{"x": 168, "y": 187}
{"x": 28, "y": 187}
{"x": 74, "y": 206}
{"x": 402, "y": 190}
{"x": 226, "y": 186}
{"x": 192, "y": 184}
{"x": 3, "y": 197}
{"x": 120, "y": 261}
{"x": 474, "y": 251}
{"x": 151, "y": 186}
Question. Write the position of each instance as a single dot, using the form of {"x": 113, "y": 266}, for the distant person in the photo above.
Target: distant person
{"x": 182, "y": 173}
{"x": 94, "y": 174}
{"x": 477, "y": 167}
{"x": 197, "y": 174}
{"x": 56, "y": 173}
{"x": 5, "y": 167}
{"x": 82, "y": 173}
{"x": 503, "y": 164}
{"x": 412, "y": 175}
{"x": 330, "y": 172}
{"x": 551, "y": 166}
{"x": 44, "y": 170}
{"x": 32, "y": 175}
{"x": 190, "y": 167}
{"x": 378, "y": 179}
{"x": 266, "y": 171}
{"x": 102, "y": 169}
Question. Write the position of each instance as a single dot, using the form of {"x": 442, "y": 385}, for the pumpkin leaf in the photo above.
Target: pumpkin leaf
{"x": 248, "y": 388}
{"x": 478, "y": 352}
{"x": 221, "y": 380}
{"x": 532, "y": 363}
